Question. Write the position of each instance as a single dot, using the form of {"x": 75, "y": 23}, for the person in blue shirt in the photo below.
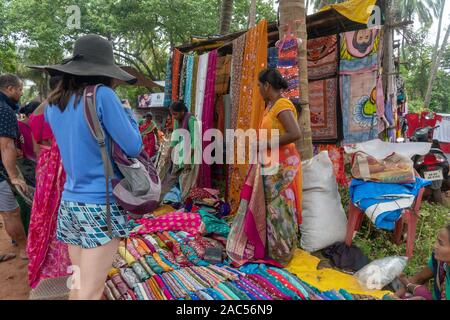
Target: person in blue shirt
{"x": 82, "y": 219}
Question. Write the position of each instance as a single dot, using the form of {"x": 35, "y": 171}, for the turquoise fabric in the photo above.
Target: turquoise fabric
{"x": 188, "y": 87}
{"x": 214, "y": 224}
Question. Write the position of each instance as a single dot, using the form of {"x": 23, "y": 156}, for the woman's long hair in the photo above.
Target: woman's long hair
{"x": 74, "y": 85}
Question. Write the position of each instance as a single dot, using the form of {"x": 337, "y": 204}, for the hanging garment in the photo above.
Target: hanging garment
{"x": 322, "y": 58}
{"x": 323, "y": 106}
{"x": 359, "y": 51}
{"x": 223, "y": 70}
{"x": 201, "y": 85}
{"x": 168, "y": 84}
{"x": 358, "y": 103}
{"x": 188, "y": 83}
{"x": 204, "y": 175}
{"x": 251, "y": 104}
{"x": 48, "y": 258}
{"x": 176, "y": 69}
{"x": 288, "y": 66}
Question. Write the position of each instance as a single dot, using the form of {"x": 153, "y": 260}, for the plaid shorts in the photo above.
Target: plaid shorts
{"x": 85, "y": 225}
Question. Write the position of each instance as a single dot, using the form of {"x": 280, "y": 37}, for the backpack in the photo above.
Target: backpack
{"x": 140, "y": 189}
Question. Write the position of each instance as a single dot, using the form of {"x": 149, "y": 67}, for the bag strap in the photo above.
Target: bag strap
{"x": 90, "y": 112}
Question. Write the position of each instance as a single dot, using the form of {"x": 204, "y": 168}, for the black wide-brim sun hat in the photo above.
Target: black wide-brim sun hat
{"x": 92, "y": 56}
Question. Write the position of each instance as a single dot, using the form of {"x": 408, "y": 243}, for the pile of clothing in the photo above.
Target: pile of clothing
{"x": 176, "y": 266}
{"x": 181, "y": 256}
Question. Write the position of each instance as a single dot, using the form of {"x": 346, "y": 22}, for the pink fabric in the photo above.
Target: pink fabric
{"x": 204, "y": 175}
{"x": 174, "y": 221}
{"x": 27, "y": 146}
{"x": 40, "y": 128}
{"x": 48, "y": 258}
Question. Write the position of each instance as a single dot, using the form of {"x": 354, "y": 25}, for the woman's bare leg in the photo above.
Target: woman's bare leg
{"x": 94, "y": 267}
{"x": 75, "y": 259}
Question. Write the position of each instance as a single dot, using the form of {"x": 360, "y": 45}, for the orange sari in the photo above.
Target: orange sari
{"x": 251, "y": 104}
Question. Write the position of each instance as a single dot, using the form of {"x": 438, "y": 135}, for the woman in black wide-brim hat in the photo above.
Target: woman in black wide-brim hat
{"x": 82, "y": 218}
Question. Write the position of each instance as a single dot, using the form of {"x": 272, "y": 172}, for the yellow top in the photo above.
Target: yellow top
{"x": 270, "y": 119}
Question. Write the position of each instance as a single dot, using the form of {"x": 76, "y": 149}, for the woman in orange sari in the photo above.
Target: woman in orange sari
{"x": 265, "y": 228}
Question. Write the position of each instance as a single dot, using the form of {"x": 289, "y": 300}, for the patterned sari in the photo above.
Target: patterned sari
{"x": 48, "y": 258}
{"x": 266, "y": 224}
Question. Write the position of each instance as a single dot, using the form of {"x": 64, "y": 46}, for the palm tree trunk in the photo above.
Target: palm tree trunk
{"x": 435, "y": 67}
{"x": 292, "y": 11}
{"x": 225, "y": 18}
{"x": 434, "y": 57}
{"x": 252, "y": 14}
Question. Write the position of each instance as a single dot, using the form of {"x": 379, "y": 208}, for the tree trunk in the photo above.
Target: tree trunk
{"x": 292, "y": 11}
{"x": 252, "y": 14}
{"x": 226, "y": 15}
{"x": 435, "y": 67}
{"x": 434, "y": 57}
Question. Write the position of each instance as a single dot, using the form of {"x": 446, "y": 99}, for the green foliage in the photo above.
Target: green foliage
{"x": 142, "y": 31}
{"x": 416, "y": 72}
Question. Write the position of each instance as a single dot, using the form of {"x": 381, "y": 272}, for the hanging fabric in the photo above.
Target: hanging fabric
{"x": 201, "y": 83}
{"x": 288, "y": 65}
{"x": 168, "y": 84}
{"x": 188, "y": 84}
{"x": 251, "y": 104}
{"x": 177, "y": 58}
{"x": 204, "y": 177}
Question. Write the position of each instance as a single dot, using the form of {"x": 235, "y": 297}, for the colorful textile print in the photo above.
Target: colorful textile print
{"x": 336, "y": 155}
{"x": 266, "y": 225}
{"x": 85, "y": 225}
{"x": 183, "y": 78}
{"x": 236, "y": 75}
{"x": 176, "y": 69}
{"x": 359, "y": 51}
{"x": 273, "y": 57}
{"x": 322, "y": 58}
{"x": 223, "y": 71}
{"x": 323, "y": 106}
{"x": 288, "y": 67}
{"x": 204, "y": 175}
{"x": 175, "y": 221}
{"x": 48, "y": 258}
{"x": 168, "y": 84}
{"x": 194, "y": 84}
{"x": 189, "y": 80}
{"x": 251, "y": 104}
{"x": 359, "y": 109}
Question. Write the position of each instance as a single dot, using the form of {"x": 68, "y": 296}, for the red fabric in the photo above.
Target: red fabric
{"x": 48, "y": 258}
{"x": 416, "y": 121}
{"x": 40, "y": 128}
{"x": 445, "y": 147}
{"x": 413, "y": 123}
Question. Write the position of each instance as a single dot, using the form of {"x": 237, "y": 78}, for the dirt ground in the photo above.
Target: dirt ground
{"x": 13, "y": 273}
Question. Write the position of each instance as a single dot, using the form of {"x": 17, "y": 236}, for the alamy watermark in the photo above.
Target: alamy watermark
{"x": 74, "y": 19}
{"x": 237, "y": 147}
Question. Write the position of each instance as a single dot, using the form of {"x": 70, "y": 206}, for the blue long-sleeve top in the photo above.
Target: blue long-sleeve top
{"x": 80, "y": 153}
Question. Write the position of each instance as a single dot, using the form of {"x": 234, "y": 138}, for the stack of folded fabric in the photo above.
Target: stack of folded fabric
{"x": 171, "y": 265}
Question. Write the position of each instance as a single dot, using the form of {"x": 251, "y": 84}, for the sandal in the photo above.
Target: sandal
{"x": 6, "y": 257}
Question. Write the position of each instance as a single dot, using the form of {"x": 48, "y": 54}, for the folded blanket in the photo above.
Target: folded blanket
{"x": 383, "y": 203}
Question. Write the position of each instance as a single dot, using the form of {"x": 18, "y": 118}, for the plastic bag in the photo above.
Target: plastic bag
{"x": 381, "y": 272}
{"x": 392, "y": 169}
